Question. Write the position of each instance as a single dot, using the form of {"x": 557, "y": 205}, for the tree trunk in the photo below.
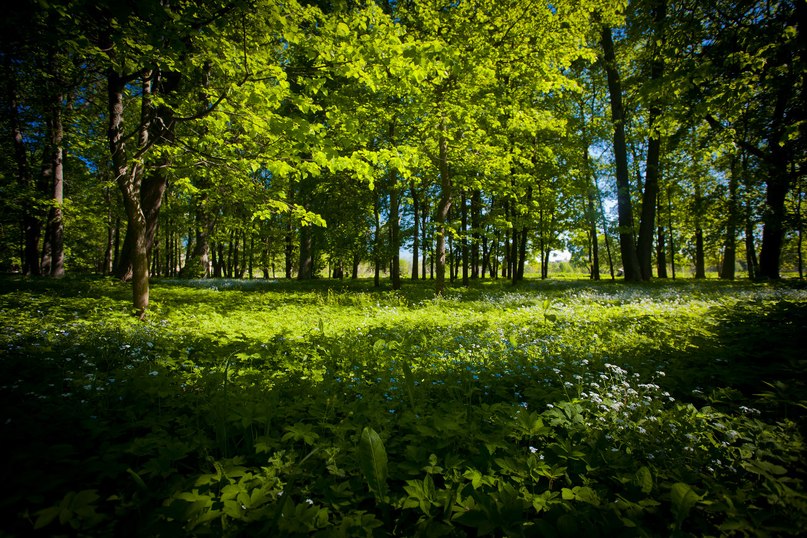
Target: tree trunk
{"x": 395, "y": 233}
{"x": 729, "y": 246}
{"x": 700, "y": 265}
{"x": 464, "y": 225}
{"x": 306, "y": 270}
{"x": 630, "y": 261}
{"x": 376, "y": 242}
{"x": 415, "y": 234}
{"x": 644, "y": 245}
{"x": 661, "y": 240}
{"x": 55, "y": 221}
{"x": 476, "y": 224}
{"x": 773, "y": 229}
{"x": 129, "y": 182}
{"x": 442, "y": 211}
{"x": 31, "y": 225}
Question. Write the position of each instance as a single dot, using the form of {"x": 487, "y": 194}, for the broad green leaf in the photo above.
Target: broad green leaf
{"x": 373, "y": 462}
{"x": 683, "y": 498}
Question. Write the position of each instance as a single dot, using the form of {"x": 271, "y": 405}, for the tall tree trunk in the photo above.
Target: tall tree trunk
{"x": 55, "y": 220}
{"x": 464, "y": 225}
{"x": 700, "y": 264}
{"x": 31, "y": 225}
{"x": 661, "y": 243}
{"x": 376, "y": 241}
{"x": 129, "y": 182}
{"x": 773, "y": 229}
{"x": 644, "y": 245}
{"x": 800, "y": 227}
{"x": 441, "y": 216}
{"x": 591, "y": 214}
{"x": 395, "y": 233}
{"x": 729, "y": 245}
{"x": 110, "y": 223}
{"x": 306, "y": 270}
{"x": 476, "y": 225}
{"x": 425, "y": 243}
{"x": 630, "y": 261}
{"x": 670, "y": 228}
{"x": 415, "y": 234}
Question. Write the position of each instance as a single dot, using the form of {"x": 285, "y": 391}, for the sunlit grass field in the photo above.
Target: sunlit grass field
{"x": 332, "y": 408}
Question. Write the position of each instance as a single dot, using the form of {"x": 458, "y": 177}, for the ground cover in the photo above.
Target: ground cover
{"x": 335, "y": 409}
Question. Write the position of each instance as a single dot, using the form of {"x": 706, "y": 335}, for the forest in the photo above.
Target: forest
{"x": 291, "y": 267}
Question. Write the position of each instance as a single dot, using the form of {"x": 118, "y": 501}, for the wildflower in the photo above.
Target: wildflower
{"x": 533, "y": 449}
{"x": 154, "y": 373}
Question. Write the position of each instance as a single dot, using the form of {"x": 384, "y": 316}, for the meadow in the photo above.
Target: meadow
{"x": 332, "y": 408}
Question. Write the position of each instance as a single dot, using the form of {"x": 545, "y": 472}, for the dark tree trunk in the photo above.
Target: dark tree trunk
{"x": 476, "y": 224}
{"x": 31, "y": 225}
{"x": 700, "y": 265}
{"x": 773, "y": 230}
{"x": 727, "y": 271}
{"x": 376, "y": 242}
{"x": 647, "y": 222}
{"x": 661, "y": 244}
{"x": 106, "y": 269}
{"x": 395, "y": 233}
{"x": 630, "y": 260}
{"x": 464, "y": 246}
{"x": 415, "y": 234}
{"x": 306, "y": 268}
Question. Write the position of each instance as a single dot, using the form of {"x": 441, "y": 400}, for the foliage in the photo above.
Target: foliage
{"x": 266, "y": 407}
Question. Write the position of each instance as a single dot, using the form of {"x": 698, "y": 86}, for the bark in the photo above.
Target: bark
{"x": 476, "y": 224}
{"x": 441, "y": 216}
{"x": 773, "y": 230}
{"x": 128, "y": 180}
{"x": 661, "y": 240}
{"x": 31, "y": 225}
{"x": 55, "y": 220}
{"x": 591, "y": 214}
{"x": 727, "y": 271}
{"x": 376, "y": 243}
{"x": 306, "y": 268}
{"x": 395, "y": 233}
{"x": 644, "y": 245}
{"x": 425, "y": 244}
{"x": 700, "y": 265}
{"x": 464, "y": 224}
{"x": 106, "y": 269}
{"x": 630, "y": 261}
{"x": 415, "y": 234}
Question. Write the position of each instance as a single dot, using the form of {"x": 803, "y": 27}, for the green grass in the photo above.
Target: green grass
{"x": 555, "y": 408}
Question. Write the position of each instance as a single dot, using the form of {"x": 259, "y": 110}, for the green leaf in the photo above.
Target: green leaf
{"x": 644, "y": 480}
{"x": 373, "y": 462}
{"x": 683, "y": 498}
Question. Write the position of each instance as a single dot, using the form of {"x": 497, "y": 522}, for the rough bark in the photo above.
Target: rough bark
{"x": 442, "y": 212}
{"x": 464, "y": 246}
{"x": 630, "y": 261}
{"x": 128, "y": 180}
{"x": 306, "y": 267}
{"x": 647, "y": 222}
{"x": 727, "y": 271}
{"x": 415, "y": 234}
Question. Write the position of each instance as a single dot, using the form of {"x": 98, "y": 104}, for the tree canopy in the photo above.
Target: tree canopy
{"x": 224, "y": 138}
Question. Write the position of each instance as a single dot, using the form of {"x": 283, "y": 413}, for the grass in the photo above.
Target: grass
{"x": 554, "y": 408}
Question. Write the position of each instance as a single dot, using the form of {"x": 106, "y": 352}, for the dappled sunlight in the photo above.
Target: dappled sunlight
{"x": 495, "y": 410}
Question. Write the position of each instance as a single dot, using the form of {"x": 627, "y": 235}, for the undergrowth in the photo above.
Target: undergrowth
{"x": 336, "y": 409}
